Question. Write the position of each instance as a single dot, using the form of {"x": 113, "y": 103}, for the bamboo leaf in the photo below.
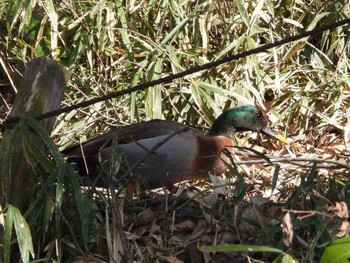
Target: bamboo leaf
{"x": 243, "y": 12}
{"x": 23, "y": 234}
{"x": 239, "y": 248}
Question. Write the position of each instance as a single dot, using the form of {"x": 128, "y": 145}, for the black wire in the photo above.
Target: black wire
{"x": 10, "y": 123}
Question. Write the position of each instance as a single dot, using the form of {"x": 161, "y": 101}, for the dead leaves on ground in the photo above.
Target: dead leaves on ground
{"x": 174, "y": 234}
{"x": 341, "y": 211}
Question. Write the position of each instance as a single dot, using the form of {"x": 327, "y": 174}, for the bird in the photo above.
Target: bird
{"x": 161, "y": 153}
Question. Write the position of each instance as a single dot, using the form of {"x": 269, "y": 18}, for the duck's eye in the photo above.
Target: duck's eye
{"x": 257, "y": 113}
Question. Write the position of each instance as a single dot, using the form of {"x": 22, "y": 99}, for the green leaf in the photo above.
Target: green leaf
{"x": 169, "y": 37}
{"x": 337, "y": 252}
{"x": 27, "y": 17}
{"x": 285, "y": 258}
{"x": 24, "y": 236}
{"x": 55, "y": 154}
{"x": 275, "y": 177}
{"x": 239, "y": 248}
{"x": 154, "y": 94}
{"x": 7, "y": 235}
{"x": 316, "y": 19}
{"x": 83, "y": 205}
{"x": 12, "y": 14}
{"x": 7, "y": 166}
{"x": 243, "y": 12}
{"x": 259, "y": 154}
{"x": 123, "y": 32}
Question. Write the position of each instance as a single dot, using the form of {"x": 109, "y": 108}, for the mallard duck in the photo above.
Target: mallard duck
{"x": 167, "y": 152}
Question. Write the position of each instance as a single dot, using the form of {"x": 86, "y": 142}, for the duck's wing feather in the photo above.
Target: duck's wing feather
{"x": 126, "y": 134}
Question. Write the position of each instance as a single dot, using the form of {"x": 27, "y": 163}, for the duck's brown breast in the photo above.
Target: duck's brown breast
{"x": 212, "y": 154}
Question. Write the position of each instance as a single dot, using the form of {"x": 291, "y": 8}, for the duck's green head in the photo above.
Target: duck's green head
{"x": 243, "y": 118}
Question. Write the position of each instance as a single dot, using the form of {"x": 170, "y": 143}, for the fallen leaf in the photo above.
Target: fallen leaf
{"x": 188, "y": 224}
{"x": 287, "y": 229}
{"x": 340, "y": 209}
{"x": 146, "y": 215}
{"x": 154, "y": 228}
{"x": 344, "y": 229}
{"x": 199, "y": 231}
{"x": 171, "y": 259}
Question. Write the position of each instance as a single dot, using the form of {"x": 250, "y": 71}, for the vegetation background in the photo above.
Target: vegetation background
{"x": 113, "y": 45}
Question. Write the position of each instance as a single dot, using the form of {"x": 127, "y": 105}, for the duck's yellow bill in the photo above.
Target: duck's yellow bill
{"x": 282, "y": 138}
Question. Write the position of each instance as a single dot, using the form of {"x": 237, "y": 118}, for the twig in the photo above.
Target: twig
{"x": 307, "y": 213}
{"x": 292, "y": 160}
{"x": 118, "y": 226}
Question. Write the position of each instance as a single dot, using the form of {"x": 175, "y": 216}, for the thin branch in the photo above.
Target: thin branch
{"x": 307, "y": 213}
{"x": 300, "y": 161}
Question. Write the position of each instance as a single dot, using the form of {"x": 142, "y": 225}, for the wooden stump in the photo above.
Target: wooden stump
{"x": 40, "y": 90}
